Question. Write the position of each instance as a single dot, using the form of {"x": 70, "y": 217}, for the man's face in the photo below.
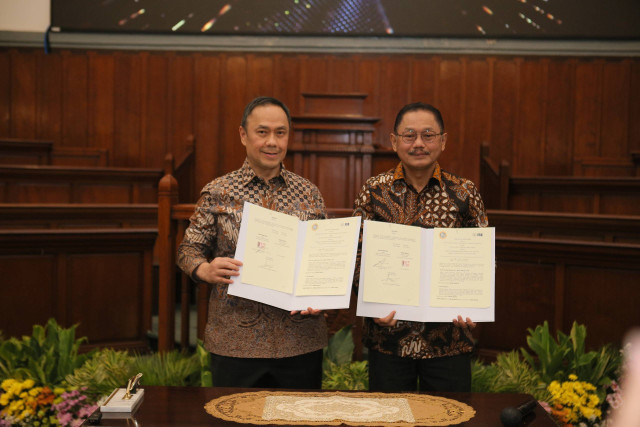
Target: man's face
{"x": 419, "y": 155}
{"x": 266, "y": 137}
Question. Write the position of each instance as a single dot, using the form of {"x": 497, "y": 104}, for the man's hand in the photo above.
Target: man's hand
{"x": 387, "y": 321}
{"x": 218, "y": 270}
{"x": 464, "y": 324}
{"x": 307, "y": 312}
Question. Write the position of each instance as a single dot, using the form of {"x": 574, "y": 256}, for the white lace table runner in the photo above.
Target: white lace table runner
{"x": 321, "y": 408}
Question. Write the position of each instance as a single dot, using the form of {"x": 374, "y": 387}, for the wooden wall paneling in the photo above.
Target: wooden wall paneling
{"x": 206, "y": 113}
{"x": 528, "y": 147}
{"x": 634, "y": 110}
{"x": 124, "y": 102}
{"x": 181, "y": 95}
{"x": 5, "y": 92}
{"x": 382, "y": 162}
{"x": 394, "y": 92}
{"x": 368, "y": 81}
{"x": 588, "y": 113}
{"x": 313, "y": 74}
{"x": 476, "y": 112}
{"x": 616, "y": 203}
{"x": 89, "y": 276}
{"x": 286, "y": 79}
{"x": 612, "y": 313}
{"x": 75, "y": 116}
{"x": 127, "y": 151}
{"x": 23, "y": 94}
{"x": 342, "y": 74}
{"x": 232, "y": 152}
{"x": 33, "y": 297}
{"x": 505, "y": 86}
{"x": 260, "y": 76}
{"x": 106, "y": 281}
{"x": 451, "y": 101}
{"x": 558, "y": 140}
{"x": 60, "y": 286}
{"x": 93, "y": 192}
{"x": 331, "y": 173}
{"x": 101, "y": 102}
{"x": 28, "y": 192}
{"x": 49, "y": 97}
{"x": 156, "y": 107}
{"x": 423, "y": 79}
{"x": 613, "y": 138}
{"x": 524, "y": 298}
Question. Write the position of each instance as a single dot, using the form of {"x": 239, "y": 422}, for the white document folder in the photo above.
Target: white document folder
{"x": 289, "y": 300}
{"x": 423, "y": 310}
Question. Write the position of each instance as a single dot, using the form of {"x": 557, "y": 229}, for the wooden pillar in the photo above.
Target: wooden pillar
{"x": 167, "y": 197}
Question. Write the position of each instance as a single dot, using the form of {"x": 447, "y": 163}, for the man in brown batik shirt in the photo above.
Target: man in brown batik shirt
{"x": 419, "y": 193}
{"x": 254, "y": 344}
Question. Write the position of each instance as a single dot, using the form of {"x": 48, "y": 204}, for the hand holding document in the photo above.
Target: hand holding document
{"x": 293, "y": 264}
{"x": 427, "y": 275}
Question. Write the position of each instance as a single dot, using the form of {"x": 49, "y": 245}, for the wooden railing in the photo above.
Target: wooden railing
{"x": 59, "y": 184}
{"x": 545, "y": 263}
{"x": 578, "y": 194}
{"x": 73, "y": 216}
{"x": 565, "y": 226}
{"x": 14, "y": 151}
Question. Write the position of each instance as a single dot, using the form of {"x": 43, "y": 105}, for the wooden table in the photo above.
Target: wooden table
{"x": 184, "y": 406}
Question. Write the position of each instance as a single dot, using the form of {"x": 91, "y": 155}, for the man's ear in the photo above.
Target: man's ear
{"x": 444, "y": 140}
{"x": 394, "y": 141}
{"x": 243, "y": 135}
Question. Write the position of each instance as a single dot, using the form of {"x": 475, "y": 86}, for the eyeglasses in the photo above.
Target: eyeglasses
{"x": 411, "y": 136}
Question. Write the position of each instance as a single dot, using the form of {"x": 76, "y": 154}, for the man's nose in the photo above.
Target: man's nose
{"x": 419, "y": 142}
{"x": 271, "y": 138}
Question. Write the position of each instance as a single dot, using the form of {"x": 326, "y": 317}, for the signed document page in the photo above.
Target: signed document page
{"x": 270, "y": 249}
{"x": 456, "y": 274}
{"x": 392, "y": 264}
{"x": 326, "y": 267}
{"x": 462, "y": 267}
{"x": 293, "y": 264}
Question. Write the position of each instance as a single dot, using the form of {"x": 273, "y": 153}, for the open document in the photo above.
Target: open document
{"x": 427, "y": 275}
{"x": 293, "y": 264}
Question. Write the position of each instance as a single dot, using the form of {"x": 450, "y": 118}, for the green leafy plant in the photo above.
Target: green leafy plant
{"x": 204, "y": 357}
{"x": 551, "y": 354}
{"x": 172, "y": 368}
{"x": 109, "y": 369}
{"x": 106, "y": 370}
{"x": 46, "y": 357}
{"x": 349, "y": 376}
{"x": 557, "y": 359}
{"x": 339, "y": 372}
{"x": 508, "y": 374}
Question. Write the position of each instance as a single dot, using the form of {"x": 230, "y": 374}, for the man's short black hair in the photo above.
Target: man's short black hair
{"x": 418, "y": 106}
{"x": 263, "y": 100}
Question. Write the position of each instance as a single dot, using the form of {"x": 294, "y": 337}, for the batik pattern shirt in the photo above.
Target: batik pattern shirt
{"x": 446, "y": 201}
{"x": 239, "y": 327}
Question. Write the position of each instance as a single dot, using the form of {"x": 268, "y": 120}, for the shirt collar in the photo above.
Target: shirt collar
{"x": 248, "y": 174}
{"x": 398, "y": 176}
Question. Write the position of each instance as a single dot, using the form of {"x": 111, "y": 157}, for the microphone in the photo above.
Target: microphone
{"x": 512, "y": 416}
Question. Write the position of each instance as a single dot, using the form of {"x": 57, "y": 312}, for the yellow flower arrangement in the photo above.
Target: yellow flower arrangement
{"x": 23, "y": 404}
{"x": 574, "y": 401}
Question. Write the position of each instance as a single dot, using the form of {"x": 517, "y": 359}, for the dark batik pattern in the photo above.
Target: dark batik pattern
{"x": 447, "y": 201}
{"x": 238, "y": 327}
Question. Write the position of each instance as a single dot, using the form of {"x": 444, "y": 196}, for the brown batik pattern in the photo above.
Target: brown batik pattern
{"x": 238, "y": 327}
{"x": 447, "y": 201}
